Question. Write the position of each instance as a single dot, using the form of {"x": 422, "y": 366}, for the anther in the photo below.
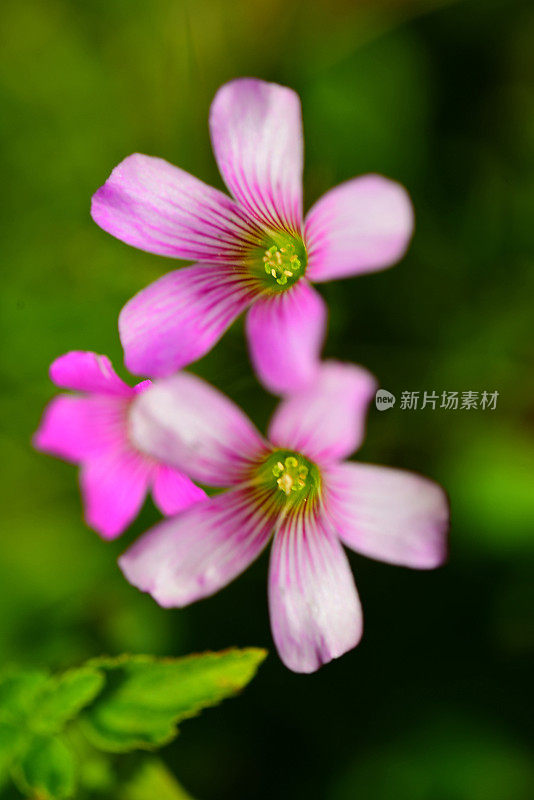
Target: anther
{"x": 291, "y": 475}
{"x": 281, "y": 263}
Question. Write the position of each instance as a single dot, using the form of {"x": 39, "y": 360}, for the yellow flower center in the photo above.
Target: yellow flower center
{"x": 288, "y": 481}
{"x": 278, "y": 261}
{"x": 290, "y": 474}
{"x": 282, "y": 263}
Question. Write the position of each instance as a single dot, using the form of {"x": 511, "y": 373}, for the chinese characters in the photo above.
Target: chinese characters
{"x": 449, "y": 400}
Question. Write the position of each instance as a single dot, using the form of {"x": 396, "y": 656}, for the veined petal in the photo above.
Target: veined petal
{"x": 326, "y": 420}
{"x": 76, "y": 428}
{"x": 114, "y": 486}
{"x": 83, "y": 371}
{"x": 173, "y": 491}
{"x": 285, "y": 333}
{"x": 362, "y": 225}
{"x": 314, "y": 607}
{"x": 389, "y": 514}
{"x": 178, "y": 318}
{"x": 200, "y": 550}
{"x": 185, "y": 422}
{"x": 256, "y": 132}
{"x": 151, "y": 204}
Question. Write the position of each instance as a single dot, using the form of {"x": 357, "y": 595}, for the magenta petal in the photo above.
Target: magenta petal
{"x": 314, "y": 607}
{"x": 76, "y": 428}
{"x": 179, "y": 318}
{"x": 83, "y": 371}
{"x": 325, "y": 421}
{"x": 173, "y": 491}
{"x": 199, "y": 551}
{"x": 388, "y": 514}
{"x": 285, "y": 334}
{"x": 148, "y": 203}
{"x": 362, "y": 225}
{"x": 114, "y": 486}
{"x": 256, "y": 132}
{"x": 185, "y": 422}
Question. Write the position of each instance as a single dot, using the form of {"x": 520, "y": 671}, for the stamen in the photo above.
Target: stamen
{"x": 281, "y": 263}
{"x": 289, "y": 479}
{"x": 291, "y": 474}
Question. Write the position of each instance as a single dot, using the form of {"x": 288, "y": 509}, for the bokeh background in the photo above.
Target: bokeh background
{"x": 434, "y": 703}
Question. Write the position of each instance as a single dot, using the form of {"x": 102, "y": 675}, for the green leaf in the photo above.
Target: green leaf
{"x": 10, "y": 742}
{"x": 32, "y": 702}
{"x": 145, "y": 698}
{"x": 46, "y": 771}
{"x": 64, "y": 697}
{"x": 153, "y": 780}
{"x": 96, "y": 772}
{"x": 19, "y": 691}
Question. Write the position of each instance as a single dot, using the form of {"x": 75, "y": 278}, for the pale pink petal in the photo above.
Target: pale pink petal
{"x": 362, "y": 225}
{"x": 185, "y": 422}
{"x": 114, "y": 487}
{"x": 173, "y": 491}
{"x": 150, "y": 204}
{"x": 83, "y": 371}
{"x": 142, "y": 386}
{"x": 314, "y": 607}
{"x": 200, "y": 550}
{"x": 285, "y": 333}
{"x": 256, "y": 132}
{"x": 75, "y": 428}
{"x": 179, "y": 318}
{"x": 389, "y": 514}
{"x": 325, "y": 421}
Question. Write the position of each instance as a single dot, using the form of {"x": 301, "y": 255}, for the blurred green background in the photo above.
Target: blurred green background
{"x": 434, "y": 703}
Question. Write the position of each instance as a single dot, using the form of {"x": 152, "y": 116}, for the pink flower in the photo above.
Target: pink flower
{"x": 297, "y": 485}
{"x": 255, "y": 251}
{"x": 92, "y": 429}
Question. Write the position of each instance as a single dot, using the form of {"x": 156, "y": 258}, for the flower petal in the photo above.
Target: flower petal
{"x": 173, "y": 491}
{"x": 362, "y": 225}
{"x": 314, "y": 607}
{"x": 389, "y": 514}
{"x": 285, "y": 334}
{"x": 201, "y": 550}
{"x": 256, "y": 132}
{"x": 185, "y": 422}
{"x": 83, "y": 371}
{"x": 325, "y": 421}
{"x": 75, "y": 428}
{"x": 178, "y": 318}
{"x": 114, "y": 486}
{"x": 151, "y": 204}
